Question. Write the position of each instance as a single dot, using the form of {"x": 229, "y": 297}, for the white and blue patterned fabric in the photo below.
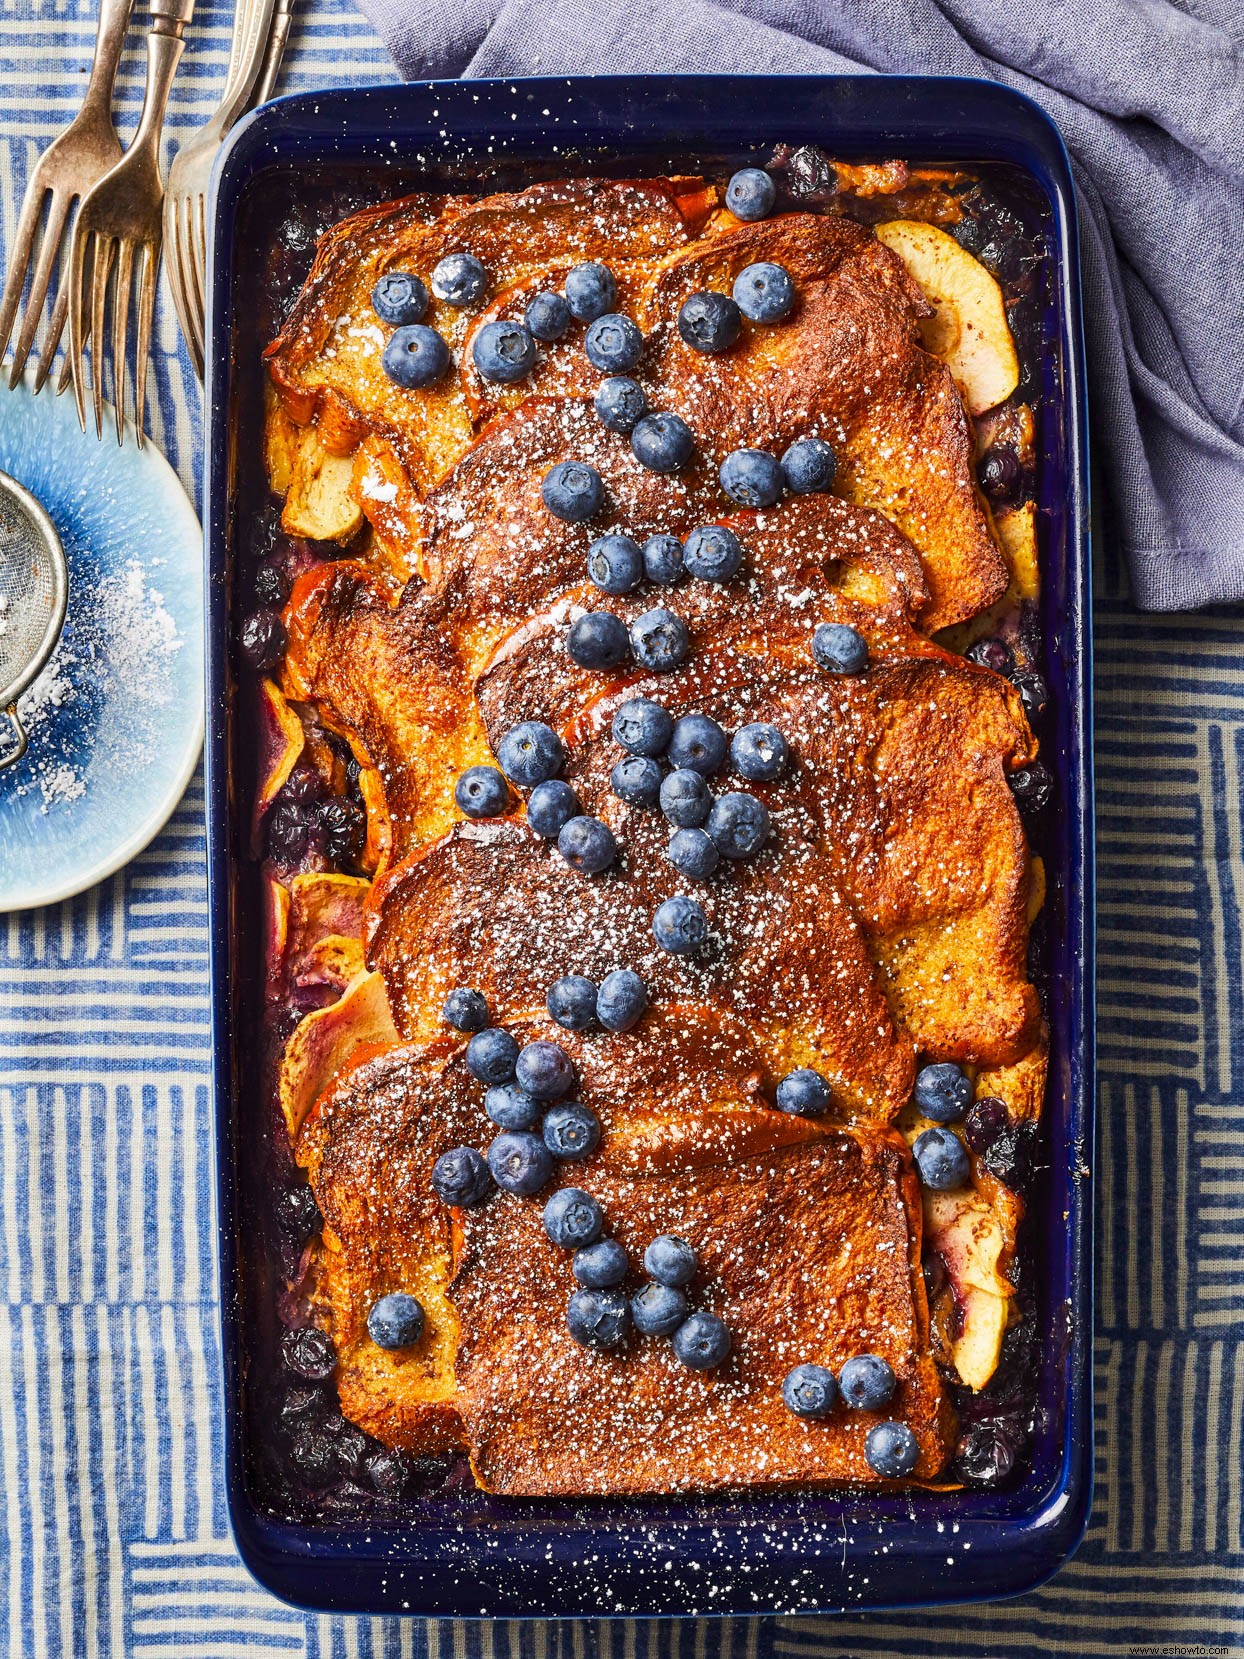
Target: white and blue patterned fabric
{"x": 113, "y": 1538}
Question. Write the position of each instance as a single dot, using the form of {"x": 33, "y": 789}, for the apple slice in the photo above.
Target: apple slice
{"x": 281, "y": 742}
{"x": 326, "y": 1040}
{"x": 321, "y": 503}
{"x": 971, "y": 1239}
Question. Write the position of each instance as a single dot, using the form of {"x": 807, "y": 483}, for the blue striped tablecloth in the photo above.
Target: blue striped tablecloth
{"x": 114, "y": 1539}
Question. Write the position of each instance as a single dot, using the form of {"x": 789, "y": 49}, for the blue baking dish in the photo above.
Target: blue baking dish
{"x": 461, "y": 1553}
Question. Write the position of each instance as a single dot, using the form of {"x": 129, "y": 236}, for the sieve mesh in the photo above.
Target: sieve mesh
{"x": 31, "y": 592}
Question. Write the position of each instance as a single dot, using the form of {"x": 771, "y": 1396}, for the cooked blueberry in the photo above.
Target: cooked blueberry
{"x": 298, "y": 1215}
{"x": 598, "y": 639}
{"x": 637, "y": 780}
{"x": 550, "y": 806}
{"x": 810, "y": 1391}
{"x": 738, "y": 824}
{"x": 987, "y": 1121}
{"x": 693, "y": 854}
{"x": 662, "y": 442}
{"x": 615, "y": 564}
{"x": 658, "y": 1310}
{"x": 599, "y": 1266}
{"x": 702, "y": 1342}
{"x": 544, "y": 1070}
{"x": 388, "y": 1472}
{"x": 840, "y": 648}
{"x": 587, "y": 845}
{"x": 287, "y": 831}
{"x": 709, "y": 322}
{"x": 659, "y": 640}
{"x": 530, "y": 752}
{"x": 712, "y": 553}
{"x": 465, "y": 1010}
{"x": 571, "y": 1130}
{"x": 758, "y": 752}
{"x": 943, "y": 1092}
{"x": 520, "y": 1162}
{"x": 547, "y": 316}
{"x": 670, "y": 1260}
{"x": 590, "y": 290}
{"x": 752, "y": 477}
{"x": 764, "y": 293}
{"x": 262, "y": 640}
{"x": 680, "y": 926}
{"x": 503, "y": 352}
{"x": 663, "y": 559}
{"x": 891, "y": 1450}
{"x": 986, "y": 1453}
{"x": 272, "y": 584}
{"x": 991, "y": 653}
{"x": 621, "y": 1000}
{"x": 804, "y": 1093}
{"x": 309, "y": 1353}
{"x": 572, "y": 1002}
{"x": 1032, "y": 692}
{"x": 697, "y": 742}
{"x": 572, "y": 1218}
{"x": 345, "y": 828}
{"x": 1009, "y": 1157}
{"x": 399, "y": 299}
{"x": 809, "y": 466}
{"x": 999, "y": 472}
{"x": 613, "y": 344}
{"x": 415, "y": 356}
{"x": 685, "y": 798}
{"x": 482, "y": 792}
{"x": 621, "y": 403}
{"x": 598, "y": 1318}
{"x": 572, "y": 491}
{"x": 461, "y": 1177}
{"x": 396, "y": 1320}
{"x": 643, "y": 726}
{"x": 509, "y": 1107}
{"x": 1032, "y": 786}
{"x": 459, "y": 279}
{"x": 312, "y": 1451}
{"x": 751, "y": 194}
{"x": 491, "y": 1055}
{"x": 866, "y": 1382}
{"x": 941, "y": 1161}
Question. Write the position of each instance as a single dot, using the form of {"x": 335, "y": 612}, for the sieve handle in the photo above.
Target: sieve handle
{"x": 20, "y": 750}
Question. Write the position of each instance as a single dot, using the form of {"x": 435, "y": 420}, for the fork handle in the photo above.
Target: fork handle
{"x": 114, "y": 20}
{"x": 165, "y": 45}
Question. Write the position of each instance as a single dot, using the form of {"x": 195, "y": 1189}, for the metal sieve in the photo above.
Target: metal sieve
{"x": 34, "y": 586}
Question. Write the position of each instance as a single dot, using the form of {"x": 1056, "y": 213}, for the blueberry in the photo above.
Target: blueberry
{"x": 288, "y": 831}
{"x": 986, "y": 1454}
{"x": 613, "y": 344}
{"x": 571, "y": 1130}
{"x": 680, "y": 926}
{"x": 615, "y": 564}
{"x": 866, "y": 1383}
{"x": 1032, "y": 692}
{"x": 465, "y": 1010}
{"x": 709, "y": 322}
{"x": 621, "y": 1000}
{"x": 598, "y": 640}
{"x": 491, "y": 1055}
{"x": 396, "y": 1320}
{"x": 530, "y": 752}
{"x": 663, "y": 559}
{"x": 459, "y": 279}
{"x": 637, "y": 780}
{"x": 272, "y": 584}
{"x": 685, "y": 798}
{"x": 520, "y": 1162}
{"x": 658, "y": 1310}
{"x": 590, "y": 291}
{"x": 547, "y": 316}
{"x": 399, "y": 299}
{"x": 587, "y": 845}
{"x": 262, "y": 640}
{"x": 601, "y": 1265}
{"x": 1032, "y": 786}
{"x": 891, "y": 1450}
{"x": 810, "y": 1391}
{"x": 751, "y": 194}
{"x": 764, "y": 293}
{"x": 309, "y": 1353}
{"x": 752, "y": 477}
{"x": 504, "y": 352}
{"x": 758, "y": 752}
{"x": 620, "y": 403}
{"x": 738, "y": 824}
{"x": 345, "y": 828}
{"x": 987, "y": 1121}
{"x": 809, "y": 466}
{"x": 660, "y": 640}
{"x": 461, "y": 1177}
{"x": 572, "y": 491}
{"x": 572, "y": 1218}
{"x": 551, "y": 806}
{"x": 697, "y": 742}
{"x": 712, "y": 553}
{"x": 598, "y": 1318}
{"x": 702, "y": 1342}
{"x": 670, "y": 1260}
{"x": 415, "y": 356}
{"x": 543, "y": 1070}
{"x": 941, "y": 1161}
{"x": 804, "y": 1093}
{"x": 572, "y": 1002}
{"x": 298, "y": 1215}
{"x": 662, "y": 442}
{"x": 991, "y": 653}
{"x": 692, "y": 854}
{"x": 999, "y": 472}
{"x": 643, "y": 726}
{"x": 482, "y": 792}
{"x": 510, "y": 1108}
{"x": 840, "y": 648}
{"x": 943, "y": 1092}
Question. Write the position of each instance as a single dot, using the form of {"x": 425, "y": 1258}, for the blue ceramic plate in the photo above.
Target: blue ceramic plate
{"x": 115, "y": 720}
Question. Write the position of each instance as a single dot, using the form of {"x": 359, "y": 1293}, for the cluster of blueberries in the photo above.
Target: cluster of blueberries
{"x": 865, "y": 1383}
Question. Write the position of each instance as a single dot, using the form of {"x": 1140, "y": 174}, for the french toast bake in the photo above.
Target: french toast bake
{"x": 642, "y": 744}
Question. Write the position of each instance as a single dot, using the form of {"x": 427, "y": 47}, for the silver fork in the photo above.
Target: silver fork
{"x": 65, "y": 172}
{"x": 119, "y": 223}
